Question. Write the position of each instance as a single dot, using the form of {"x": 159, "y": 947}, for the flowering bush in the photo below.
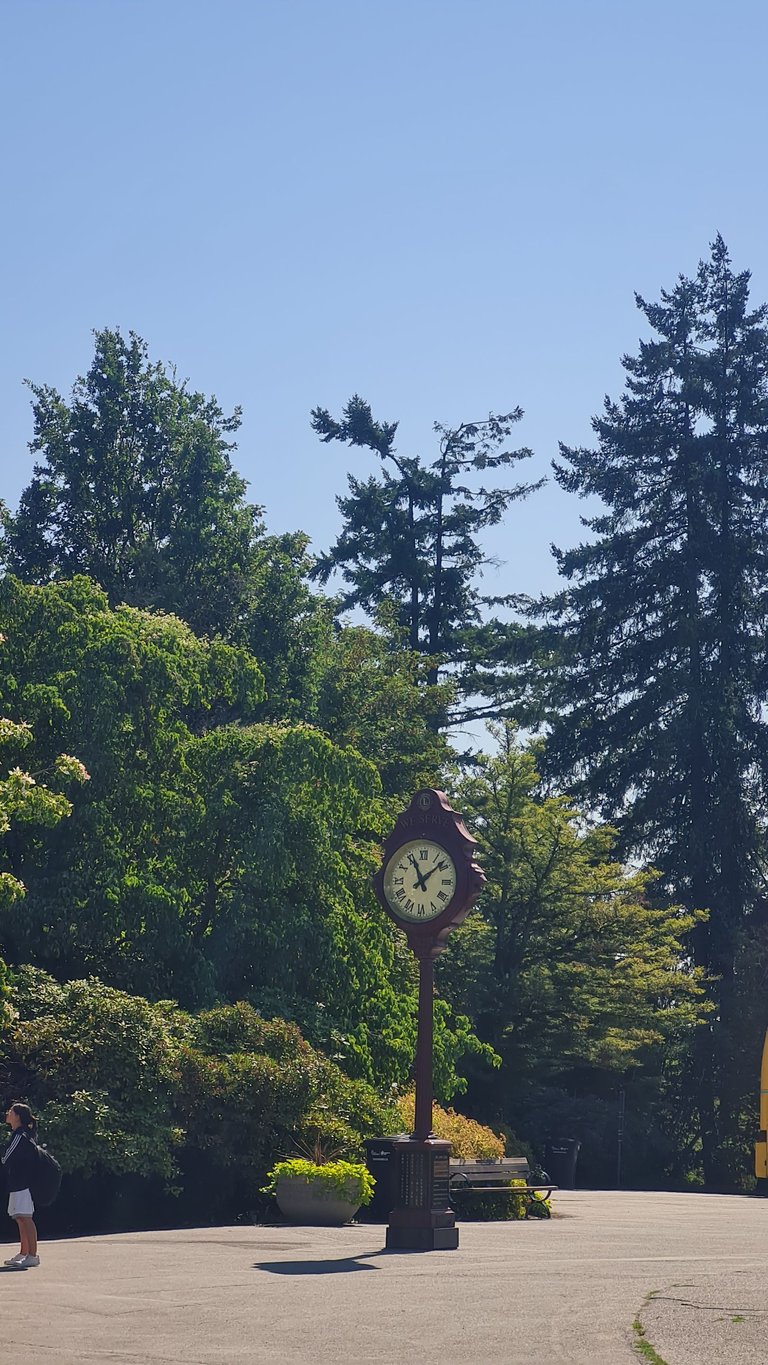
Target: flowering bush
{"x": 470, "y": 1140}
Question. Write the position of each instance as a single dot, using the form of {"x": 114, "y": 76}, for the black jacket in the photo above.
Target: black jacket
{"x": 19, "y": 1161}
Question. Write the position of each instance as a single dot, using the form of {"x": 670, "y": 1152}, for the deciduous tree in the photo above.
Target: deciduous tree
{"x": 214, "y": 856}
{"x": 134, "y": 486}
{"x": 569, "y": 969}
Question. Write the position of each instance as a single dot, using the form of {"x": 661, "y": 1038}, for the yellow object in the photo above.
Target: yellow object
{"x": 470, "y": 1140}
{"x": 761, "y": 1146}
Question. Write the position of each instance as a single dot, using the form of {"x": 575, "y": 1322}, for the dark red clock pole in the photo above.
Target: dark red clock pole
{"x": 427, "y": 882}
{"x": 422, "y": 1128}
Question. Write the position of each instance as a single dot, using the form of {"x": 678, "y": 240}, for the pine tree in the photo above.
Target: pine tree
{"x": 658, "y": 693}
{"x": 411, "y": 536}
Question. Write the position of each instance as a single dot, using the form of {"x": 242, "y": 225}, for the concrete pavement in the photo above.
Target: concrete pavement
{"x": 536, "y": 1293}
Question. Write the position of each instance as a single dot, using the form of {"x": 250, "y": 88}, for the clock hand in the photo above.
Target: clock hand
{"x": 420, "y": 881}
{"x": 437, "y": 868}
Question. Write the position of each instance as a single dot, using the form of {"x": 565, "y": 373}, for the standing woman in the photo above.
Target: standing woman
{"x": 19, "y": 1162}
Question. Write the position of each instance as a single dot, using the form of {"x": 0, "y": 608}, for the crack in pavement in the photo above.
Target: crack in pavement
{"x": 706, "y": 1307}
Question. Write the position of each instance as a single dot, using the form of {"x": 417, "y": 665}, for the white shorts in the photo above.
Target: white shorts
{"x": 20, "y": 1204}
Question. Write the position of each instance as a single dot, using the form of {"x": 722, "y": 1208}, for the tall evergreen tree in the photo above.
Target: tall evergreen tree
{"x": 658, "y": 694}
{"x": 411, "y": 536}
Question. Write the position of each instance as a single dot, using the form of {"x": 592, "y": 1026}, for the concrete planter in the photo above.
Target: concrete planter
{"x": 308, "y": 1201}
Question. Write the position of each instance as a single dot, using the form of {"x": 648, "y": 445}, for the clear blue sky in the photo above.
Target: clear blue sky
{"x": 444, "y": 205}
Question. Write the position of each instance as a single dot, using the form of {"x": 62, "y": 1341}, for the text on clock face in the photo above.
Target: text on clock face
{"x": 420, "y": 880}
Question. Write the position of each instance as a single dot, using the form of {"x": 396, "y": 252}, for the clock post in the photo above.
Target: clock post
{"x": 427, "y": 882}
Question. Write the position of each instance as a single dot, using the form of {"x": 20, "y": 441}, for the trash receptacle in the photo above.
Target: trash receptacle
{"x": 560, "y": 1159}
{"x": 378, "y": 1159}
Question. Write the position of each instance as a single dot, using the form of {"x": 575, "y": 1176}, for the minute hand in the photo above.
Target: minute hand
{"x": 437, "y": 868}
{"x": 421, "y": 881}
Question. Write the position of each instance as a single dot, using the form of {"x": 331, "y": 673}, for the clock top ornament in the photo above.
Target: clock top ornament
{"x": 429, "y": 879}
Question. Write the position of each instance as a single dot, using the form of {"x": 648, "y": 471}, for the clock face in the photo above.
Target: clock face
{"x": 419, "y": 881}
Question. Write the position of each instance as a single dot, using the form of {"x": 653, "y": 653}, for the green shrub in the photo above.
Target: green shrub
{"x": 97, "y": 1065}
{"x": 185, "y": 1112}
{"x": 539, "y": 1207}
{"x": 505, "y": 1206}
{"x": 256, "y": 1087}
{"x": 240, "y": 1028}
{"x": 487, "y": 1208}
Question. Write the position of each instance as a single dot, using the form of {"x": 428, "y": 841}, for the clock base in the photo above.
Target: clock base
{"x": 422, "y": 1219}
{"x": 422, "y": 1239}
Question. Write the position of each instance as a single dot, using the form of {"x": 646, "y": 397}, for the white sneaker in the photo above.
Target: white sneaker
{"x": 13, "y": 1259}
{"x": 28, "y": 1261}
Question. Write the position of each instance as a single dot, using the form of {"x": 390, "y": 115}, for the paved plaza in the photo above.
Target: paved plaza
{"x": 691, "y": 1267}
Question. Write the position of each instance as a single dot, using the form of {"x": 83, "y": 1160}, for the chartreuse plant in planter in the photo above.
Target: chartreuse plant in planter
{"x": 349, "y": 1180}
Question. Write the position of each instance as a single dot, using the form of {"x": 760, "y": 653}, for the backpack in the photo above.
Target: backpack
{"x": 47, "y": 1178}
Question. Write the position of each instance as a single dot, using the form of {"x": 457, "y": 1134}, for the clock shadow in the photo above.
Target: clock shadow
{"x": 343, "y": 1265}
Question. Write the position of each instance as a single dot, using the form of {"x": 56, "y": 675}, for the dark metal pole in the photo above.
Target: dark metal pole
{"x": 619, "y": 1138}
{"x": 423, "y": 1122}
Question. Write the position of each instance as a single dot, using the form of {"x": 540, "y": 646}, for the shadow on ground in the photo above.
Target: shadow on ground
{"x": 343, "y": 1266}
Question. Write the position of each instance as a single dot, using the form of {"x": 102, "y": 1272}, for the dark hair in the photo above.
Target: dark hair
{"x": 28, "y": 1120}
